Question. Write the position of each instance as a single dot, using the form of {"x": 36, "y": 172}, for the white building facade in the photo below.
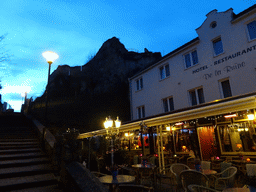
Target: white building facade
{"x": 219, "y": 63}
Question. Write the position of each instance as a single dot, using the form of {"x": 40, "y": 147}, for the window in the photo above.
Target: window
{"x": 141, "y": 112}
{"x": 217, "y": 46}
{"x": 226, "y": 90}
{"x": 191, "y": 59}
{"x": 164, "y": 71}
{"x": 196, "y": 96}
{"x": 139, "y": 84}
{"x": 252, "y": 30}
{"x": 168, "y": 104}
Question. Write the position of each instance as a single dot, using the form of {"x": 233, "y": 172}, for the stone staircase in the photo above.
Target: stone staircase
{"x": 23, "y": 165}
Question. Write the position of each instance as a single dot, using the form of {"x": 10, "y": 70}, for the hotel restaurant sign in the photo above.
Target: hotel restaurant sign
{"x": 226, "y": 69}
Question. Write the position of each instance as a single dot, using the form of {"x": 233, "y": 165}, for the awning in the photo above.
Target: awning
{"x": 230, "y": 106}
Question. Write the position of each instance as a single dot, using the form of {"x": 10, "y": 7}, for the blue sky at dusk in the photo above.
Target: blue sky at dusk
{"x": 76, "y": 29}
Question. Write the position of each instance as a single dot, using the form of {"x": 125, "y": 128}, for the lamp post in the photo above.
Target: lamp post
{"x": 111, "y": 131}
{"x": 50, "y": 58}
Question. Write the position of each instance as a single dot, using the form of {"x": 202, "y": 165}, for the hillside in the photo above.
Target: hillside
{"x": 83, "y": 96}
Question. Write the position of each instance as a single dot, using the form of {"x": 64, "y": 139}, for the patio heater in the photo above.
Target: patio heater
{"x": 111, "y": 132}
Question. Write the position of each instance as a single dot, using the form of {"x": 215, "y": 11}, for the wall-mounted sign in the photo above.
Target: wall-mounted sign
{"x": 227, "y": 69}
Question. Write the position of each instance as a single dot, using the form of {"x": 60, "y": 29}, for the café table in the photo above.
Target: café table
{"x": 121, "y": 179}
{"x": 209, "y": 172}
{"x": 173, "y": 159}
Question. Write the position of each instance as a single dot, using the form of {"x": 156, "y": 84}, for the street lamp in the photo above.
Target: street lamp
{"x": 111, "y": 131}
{"x": 50, "y": 58}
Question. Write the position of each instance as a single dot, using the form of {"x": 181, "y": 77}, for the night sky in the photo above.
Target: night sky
{"x": 76, "y": 29}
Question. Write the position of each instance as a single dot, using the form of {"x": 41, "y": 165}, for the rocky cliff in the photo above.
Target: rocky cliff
{"x": 83, "y": 96}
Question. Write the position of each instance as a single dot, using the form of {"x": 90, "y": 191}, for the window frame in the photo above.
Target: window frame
{"x": 190, "y": 58}
{"x": 221, "y": 87}
{"x": 139, "y": 84}
{"x": 214, "y": 41}
{"x": 167, "y": 99}
{"x": 141, "y": 112}
{"x": 163, "y": 67}
{"x": 247, "y": 30}
{"x": 199, "y": 100}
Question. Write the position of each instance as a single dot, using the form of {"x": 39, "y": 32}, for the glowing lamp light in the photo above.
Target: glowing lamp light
{"x": 163, "y": 148}
{"x": 117, "y": 122}
{"x": 178, "y": 124}
{"x": 246, "y": 129}
{"x": 217, "y": 157}
{"x": 168, "y": 128}
{"x": 248, "y": 159}
{"x": 230, "y": 116}
{"x": 50, "y": 56}
{"x": 126, "y": 134}
{"x": 250, "y": 116}
{"x": 184, "y": 147}
{"x": 108, "y": 123}
{"x": 238, "y": 145}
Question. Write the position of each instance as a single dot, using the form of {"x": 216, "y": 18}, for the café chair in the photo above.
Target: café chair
{"x": 146, "y": 176}
{"x": 200, "y": 188}
{"x": 164, "y": 174}
{"x": 134, "y": 188}
{"x": 191, "y": 162}
{"x": 152, "y": 160}
{"x": 225, "y": 179}
{"x": 205, "y": 165}
{"x": 215, "y": 166}
{"x": 189, "y": 177}
{"x": 224, "y": 166}
{"x": 176, "y": 169}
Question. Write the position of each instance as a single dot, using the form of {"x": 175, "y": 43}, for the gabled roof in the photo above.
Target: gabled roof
{"x": 195, "y": 40}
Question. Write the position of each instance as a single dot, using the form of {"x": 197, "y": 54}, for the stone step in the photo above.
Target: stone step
{"x": 5, "y": 143}
{"x": 25, "y": 170}
{"x": 12, "y": 151}
{"x": 18, "y": 146}
{"x": 22, "y": 156}
{"x": 32, "y": 181}
{"x": 18, "y": 140}
{"x": 23, "y": 162}
{"x": 50, "y": 188}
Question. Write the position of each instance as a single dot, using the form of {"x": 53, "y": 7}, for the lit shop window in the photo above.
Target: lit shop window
{"x": 191, "y": 59}
{"x": 141, "y": 112}
{"x": 168, "y": 104}
{"x": 240, "y": 137}
{"x": 164, "y": 71}
{"x": 252, "y": 30}
{"x": 139, "y": 84}
{"x": 217, "y": 46}
{"x": 196, "y": 96}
